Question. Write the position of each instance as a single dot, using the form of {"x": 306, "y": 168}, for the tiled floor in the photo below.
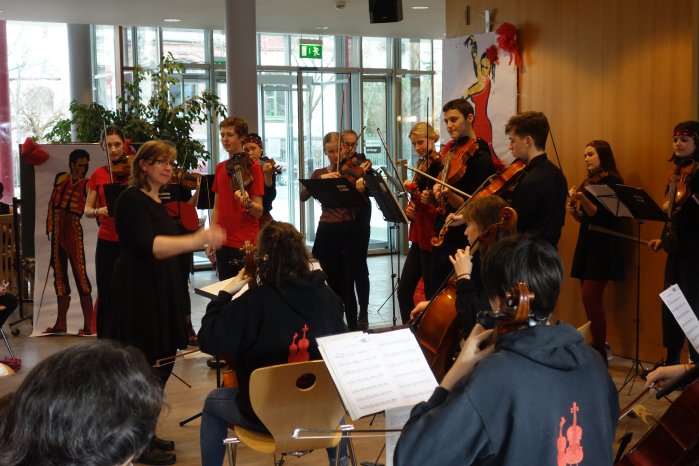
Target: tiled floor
{"x": 183, "y": 401}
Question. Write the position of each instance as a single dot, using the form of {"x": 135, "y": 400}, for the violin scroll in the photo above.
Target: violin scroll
{"x": 238, "y": 168}
{"x": 515, "y": 312}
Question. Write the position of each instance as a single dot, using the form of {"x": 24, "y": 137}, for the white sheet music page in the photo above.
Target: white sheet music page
{"x": 374, "y": 372}
{"x": 675, "y": 301}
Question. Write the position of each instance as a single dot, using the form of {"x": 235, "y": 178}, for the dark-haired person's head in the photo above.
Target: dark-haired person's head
{"x": 94, "y": 403}
{"x": 281, "y": 254}
{"x": 524, "y": 258}
{"x": 458, "y": 118}
{"x": 461, "y": 105}
{"x": 685, "y": 140}
{"x": 605, "y": 155}
{"x": 534, "y": 125}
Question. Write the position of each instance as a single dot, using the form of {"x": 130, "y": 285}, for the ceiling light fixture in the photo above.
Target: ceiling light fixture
{"x": 320, "y": 28}
{"x": 420, "y": 7}
{"x": 172, "y": 20}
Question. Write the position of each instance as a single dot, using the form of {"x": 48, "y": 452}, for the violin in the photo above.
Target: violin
{"x": 238, "y": 168}
{"x": 494, "y": 185}
{"x": 454, "y": 164}
{"x": 185, "y": 179}
{"x": 277, "y": 168}
{"x": 120, "y": 170}
{"x": 574, "y": 201}
{"x": 353, "y": 166}
{"x": 678, "y": 191}
{"x": 250, "y": 262}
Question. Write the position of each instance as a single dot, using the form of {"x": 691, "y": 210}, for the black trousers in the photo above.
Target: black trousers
{"x": 417, "y": 265}
{"x": 680, "y": 268}
{"x": 106, "y": 255}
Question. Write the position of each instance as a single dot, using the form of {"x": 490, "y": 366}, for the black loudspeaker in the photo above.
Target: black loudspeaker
{"x": 385, "y": 11}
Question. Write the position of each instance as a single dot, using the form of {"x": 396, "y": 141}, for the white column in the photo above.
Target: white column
{"x": 80, "y": 63}
{"x": 241, "y": 60}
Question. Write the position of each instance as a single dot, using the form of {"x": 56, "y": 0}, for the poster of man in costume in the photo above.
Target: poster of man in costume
{"x": 64, "y": 238}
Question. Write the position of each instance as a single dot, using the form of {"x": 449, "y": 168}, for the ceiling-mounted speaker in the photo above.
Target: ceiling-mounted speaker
{"x": 385, "y": 11}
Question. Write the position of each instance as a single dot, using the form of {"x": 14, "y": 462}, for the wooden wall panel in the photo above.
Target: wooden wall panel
{"x": 618, "y": 70}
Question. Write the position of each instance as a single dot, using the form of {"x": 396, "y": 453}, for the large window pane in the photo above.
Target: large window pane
{"x": 416, "y": 54}
{"x": 105, "y": 85}
{"x": 219, "y": 48}
{"x": 273, "y": 50}
{"x": 148, "y": 50}
{"x": 376, "y": 52}
{"x": 185, "y": 45}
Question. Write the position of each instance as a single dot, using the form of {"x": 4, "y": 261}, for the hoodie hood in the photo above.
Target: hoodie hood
{"x": 557, "y": 346}
{"x": 303, "y": 295}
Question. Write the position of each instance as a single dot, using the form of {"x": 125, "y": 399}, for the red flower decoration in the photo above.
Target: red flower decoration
{"x": 492, "y": 54}
{"x": 507, "y": 40}
{"x": 128, "y": 148}
{"x": 33, "y": 154}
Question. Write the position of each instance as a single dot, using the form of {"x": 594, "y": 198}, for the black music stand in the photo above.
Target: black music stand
{"x": 111, "y": 193}
{"x": 392, "y": 213}
{"x": 206, "y": 195}
{"x": 629, "y": 201}
{"x": 334, "y": 192}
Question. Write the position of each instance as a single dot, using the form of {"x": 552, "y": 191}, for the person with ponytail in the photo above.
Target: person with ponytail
{"x": 284, "y": 290}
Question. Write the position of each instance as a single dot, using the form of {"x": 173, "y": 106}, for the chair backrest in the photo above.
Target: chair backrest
{"x": 283, "y": 406}
{"x": 584, "y": 330}
{"x": 7, "y": 252}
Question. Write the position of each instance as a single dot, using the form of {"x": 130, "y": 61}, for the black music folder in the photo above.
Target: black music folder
{"x": 334, "y": 192}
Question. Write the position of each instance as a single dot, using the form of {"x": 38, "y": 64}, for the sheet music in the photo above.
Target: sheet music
{"x": 375, "y": 372}
{"x": 395, "y": 419}
{"x": 675, "y": 300}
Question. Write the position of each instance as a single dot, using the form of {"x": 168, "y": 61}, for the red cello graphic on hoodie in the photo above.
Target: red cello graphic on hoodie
{"x": 299, "y": 352}
{"x": 569, "y": 449}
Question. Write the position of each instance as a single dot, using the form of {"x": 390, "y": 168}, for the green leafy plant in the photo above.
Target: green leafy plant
{"x": 164, "y": 115}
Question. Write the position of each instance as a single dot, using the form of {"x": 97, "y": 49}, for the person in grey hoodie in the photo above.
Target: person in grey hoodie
{"x": 538, "y": 395}
{"x": 275, "y": 322}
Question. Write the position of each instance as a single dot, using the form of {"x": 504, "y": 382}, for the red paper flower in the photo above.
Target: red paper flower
{"x": 33, "y": 154}
{"x": 492, "y": 54}
{"x": 507, "y": 40}
{"x": 128, "y": 148}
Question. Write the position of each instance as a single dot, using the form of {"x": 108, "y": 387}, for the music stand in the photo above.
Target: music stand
{"x": 206, "y": 195}
{"x": 393, "y": 213}
{"x": 111, "y": 193}
{"x": 631, "y": 202}
{"x": 334, "y": 192}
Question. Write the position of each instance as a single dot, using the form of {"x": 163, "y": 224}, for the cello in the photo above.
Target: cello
{"x": 438, "y": 330}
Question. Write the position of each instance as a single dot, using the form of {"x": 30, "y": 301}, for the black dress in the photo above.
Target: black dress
{"x": 599, "y": 256}
{"x": 147, "y": 297}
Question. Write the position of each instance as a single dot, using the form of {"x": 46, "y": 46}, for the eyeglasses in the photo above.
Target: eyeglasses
{"x": 163, "y": 163}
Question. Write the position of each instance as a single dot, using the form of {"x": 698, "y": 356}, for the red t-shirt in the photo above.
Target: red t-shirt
{"x": 239, "y": 224}
{"x": 99, "y": 178}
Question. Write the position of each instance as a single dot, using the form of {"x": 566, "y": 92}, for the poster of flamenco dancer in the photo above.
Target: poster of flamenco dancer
{"x": 479, "y": 69}
{"x": 65, "y": 241}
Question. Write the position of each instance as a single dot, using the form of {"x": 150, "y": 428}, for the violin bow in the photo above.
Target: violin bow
{"x": 105, "y": 147}
{"x": 390, "y": 159}
{"x": 438, "y": 181}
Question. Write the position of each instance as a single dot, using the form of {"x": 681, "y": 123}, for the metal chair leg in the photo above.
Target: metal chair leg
{"x": 9, "y": 348}
{"x": 232, "y": 445}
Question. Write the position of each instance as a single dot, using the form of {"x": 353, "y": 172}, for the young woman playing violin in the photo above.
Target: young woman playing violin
{"x": 598, "y": 257}
{"x": 679, "y": 238}
{"x": 115, "y": 172}
{"x": 275, "y": 322}
{"x": 252, "y": 144}
{"x": 334, "y": 245}
{"x": 504, "y": 402}
{"x": 422, "y": 218}
{"x": 466, "y": 163}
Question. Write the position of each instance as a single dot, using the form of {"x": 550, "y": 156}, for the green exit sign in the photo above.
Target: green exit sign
{"x": 311, "y": 50}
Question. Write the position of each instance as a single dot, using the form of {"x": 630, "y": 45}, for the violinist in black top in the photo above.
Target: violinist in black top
{"x": 598, "y": 256}
{"x": 466, "y": 165}
{"x": 540, "y": 194}
{"x": 679, "y": 238}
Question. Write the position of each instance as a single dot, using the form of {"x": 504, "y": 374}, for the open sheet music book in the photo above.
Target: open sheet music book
{"x": 378, "y": 371}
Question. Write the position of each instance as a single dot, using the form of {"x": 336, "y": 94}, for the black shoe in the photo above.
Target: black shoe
{"x": 156, "y": 457}
{"x": 363, "y": 321}
{"x": 164, "y": 445}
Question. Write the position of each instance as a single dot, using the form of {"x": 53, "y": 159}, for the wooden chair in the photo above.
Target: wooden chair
{"x": 8, "y": 274}
{"x": 584, "y": 330}
{"x": 286, "y": 397}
